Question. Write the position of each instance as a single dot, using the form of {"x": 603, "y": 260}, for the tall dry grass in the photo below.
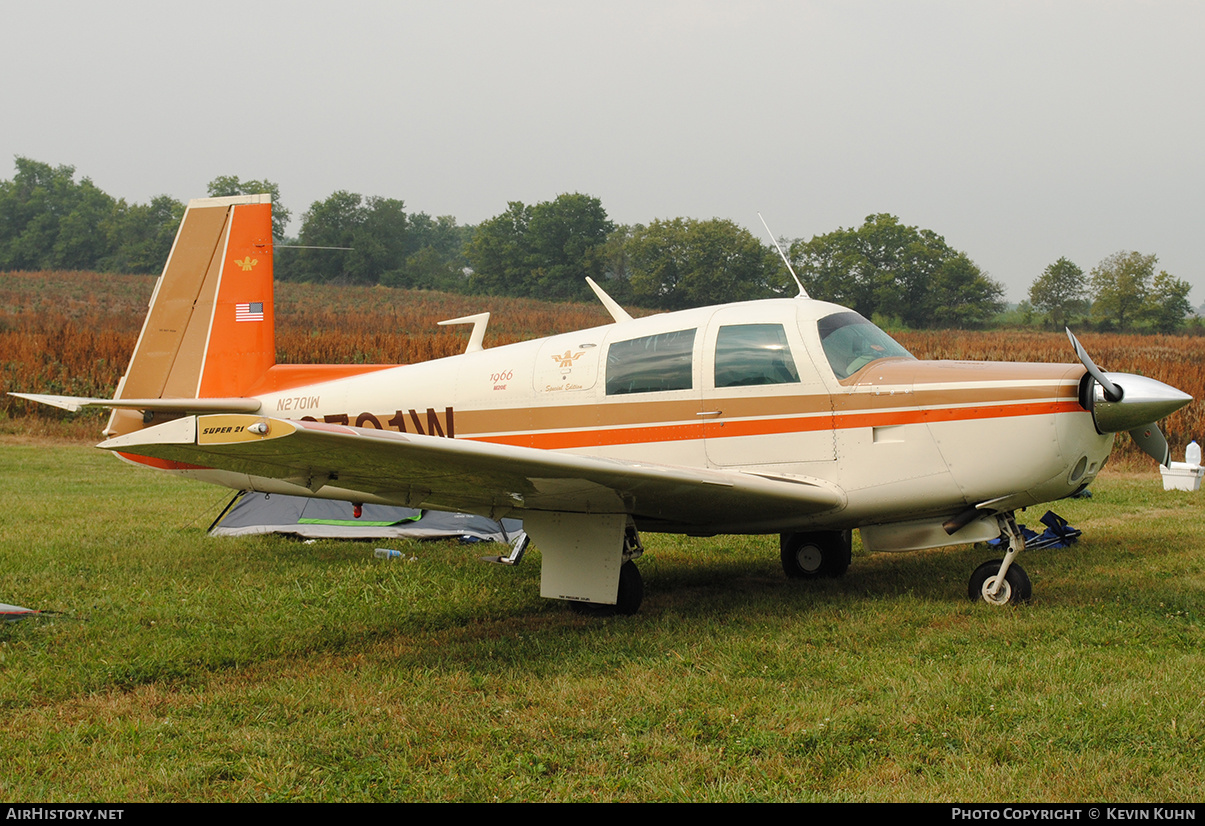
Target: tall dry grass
{"x": 72, "y": 333}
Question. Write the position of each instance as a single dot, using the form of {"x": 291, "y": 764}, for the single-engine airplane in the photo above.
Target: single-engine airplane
{"x": 790, "y": 416}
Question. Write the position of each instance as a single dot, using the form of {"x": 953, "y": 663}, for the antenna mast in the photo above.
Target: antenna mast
{"x": 802, "y": 292}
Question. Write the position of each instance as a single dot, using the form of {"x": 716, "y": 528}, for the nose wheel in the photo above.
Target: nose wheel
{"x": 1014, "y": 590}
{"x": 1000, "y": 582}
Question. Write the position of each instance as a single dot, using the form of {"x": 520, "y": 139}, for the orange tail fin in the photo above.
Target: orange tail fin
{"x": 210, "y": 330}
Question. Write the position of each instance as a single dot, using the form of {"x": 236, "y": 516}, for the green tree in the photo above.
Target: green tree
{"x": 351, "y": 238}
{"x": 141, "y": 235}
{"x": 226, "y": 185}
{"x": 545, "y": 250}
{"x": 616, "y": 266}
{"x": 442, "y": 235}
{"x": 885, "y": 267}
{"x": 962, "y": 296}
{"x": 434, "y": 249}
{"x": 328, "y": 232}
{"x": 1167, "y": 302}
{"x": 499, "y": 253}
{"x": 1059, "y": 292}
{"x": 683, "y": 263}
{"x": 1120, "y": 285}
{"x": 48, "y": 221}
{"x": 567, "y": 236}
{"x": 81, "y": 242}
{"x": 379, "y": 240}
{"x": 427, "y": 269}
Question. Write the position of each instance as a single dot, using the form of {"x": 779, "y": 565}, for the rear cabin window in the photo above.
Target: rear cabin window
{"x": 753, "y": 354}
{"x": 851, "y": 342}
{"x": 651, "y": 364}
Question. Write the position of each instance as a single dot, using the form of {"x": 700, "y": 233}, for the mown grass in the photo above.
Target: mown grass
{"x": 187, "y": 668}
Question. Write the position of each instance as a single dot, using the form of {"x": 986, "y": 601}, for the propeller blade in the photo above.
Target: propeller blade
{"x": 1150, "y": 438}
{"x": 1112, "y": 391}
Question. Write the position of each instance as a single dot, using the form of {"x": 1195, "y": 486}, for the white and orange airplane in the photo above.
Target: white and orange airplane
{"x": 790, "y": 416}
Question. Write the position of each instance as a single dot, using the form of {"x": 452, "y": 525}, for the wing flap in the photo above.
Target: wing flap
{"x": 460, "y": 474}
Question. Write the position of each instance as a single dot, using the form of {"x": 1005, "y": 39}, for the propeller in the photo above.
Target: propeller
{"x": 1131, "y": 403}
{"x": 1112, "y": 392}
{"x": 1153, "y": 443}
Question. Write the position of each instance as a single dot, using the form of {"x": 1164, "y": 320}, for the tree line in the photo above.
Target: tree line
{"x": 1122, "y": 292}
{"x": 901, "y": 275}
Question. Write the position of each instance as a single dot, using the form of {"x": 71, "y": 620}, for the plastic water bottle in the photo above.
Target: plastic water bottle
{"x": 386, "y": 553}
{"x": 1192, "y": 453}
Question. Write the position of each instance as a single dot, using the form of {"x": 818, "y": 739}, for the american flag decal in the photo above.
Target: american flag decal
{"x": 249, "y": 312}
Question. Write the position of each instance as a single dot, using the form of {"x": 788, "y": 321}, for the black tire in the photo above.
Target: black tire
{"x": 1017, "y": 588}
{"x": 816, "y": 554}
{"x": 627, "y": 601}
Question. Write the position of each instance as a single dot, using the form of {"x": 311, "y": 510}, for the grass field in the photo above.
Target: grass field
{"x": 180, "y": 667}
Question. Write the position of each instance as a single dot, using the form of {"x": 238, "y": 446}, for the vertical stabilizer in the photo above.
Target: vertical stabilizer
{"x": 210, "y": 330}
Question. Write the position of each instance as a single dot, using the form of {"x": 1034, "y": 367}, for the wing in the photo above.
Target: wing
{"x": 343, "y": 462}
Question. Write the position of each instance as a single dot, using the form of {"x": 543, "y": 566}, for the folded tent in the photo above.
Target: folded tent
{"x": 250, "y": 512}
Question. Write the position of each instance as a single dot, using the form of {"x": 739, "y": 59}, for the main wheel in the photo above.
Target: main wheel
{"x": 1016, "y": 588}
{"x": 817, "y": 554}
{"x": 627, "y": 601}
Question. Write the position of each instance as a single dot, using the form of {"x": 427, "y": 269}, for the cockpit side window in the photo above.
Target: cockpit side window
{"x": 651, "y": 363}
{"x": 851, "y": 342}
{"x": 753, "y": 354}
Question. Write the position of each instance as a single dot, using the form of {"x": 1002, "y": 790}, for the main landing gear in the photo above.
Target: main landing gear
{"x": 816, "y": 554}
{"x": 1000, "y": 582}
{"x": 631, "y": 584}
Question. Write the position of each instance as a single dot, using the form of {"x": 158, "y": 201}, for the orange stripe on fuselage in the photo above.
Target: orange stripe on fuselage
{"x": 681, "y": 431}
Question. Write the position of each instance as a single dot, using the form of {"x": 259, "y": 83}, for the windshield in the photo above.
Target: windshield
{"x": 851, "y": 342}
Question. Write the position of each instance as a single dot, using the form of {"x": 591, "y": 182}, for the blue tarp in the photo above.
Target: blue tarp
{"x": 1058, "y": 534}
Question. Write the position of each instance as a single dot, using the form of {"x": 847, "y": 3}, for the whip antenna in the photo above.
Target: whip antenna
{"x": 802, "y": 292}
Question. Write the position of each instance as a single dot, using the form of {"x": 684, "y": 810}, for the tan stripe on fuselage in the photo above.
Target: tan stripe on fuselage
{"x": 1053, "y": 389}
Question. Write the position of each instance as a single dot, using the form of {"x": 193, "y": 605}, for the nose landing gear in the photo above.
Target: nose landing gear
{"x": 1000, "y": 582}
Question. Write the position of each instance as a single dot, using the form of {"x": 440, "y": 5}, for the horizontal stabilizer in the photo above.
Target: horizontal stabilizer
{"x": 12, "y": 613}
{"x": 78, "y": 403}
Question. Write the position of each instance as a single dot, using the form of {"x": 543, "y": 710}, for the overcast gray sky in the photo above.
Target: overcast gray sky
{"x": 1020, "y": 131}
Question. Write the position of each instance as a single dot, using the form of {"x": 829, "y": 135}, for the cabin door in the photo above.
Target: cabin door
{"x": 764, "y": 402}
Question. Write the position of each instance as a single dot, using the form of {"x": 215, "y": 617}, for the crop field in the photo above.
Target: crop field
{"x": 171, "y": 666}
{"x": 72, "y": 333}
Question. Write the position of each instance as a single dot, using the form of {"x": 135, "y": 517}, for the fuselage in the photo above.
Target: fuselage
{"x": 786, "y": 388}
